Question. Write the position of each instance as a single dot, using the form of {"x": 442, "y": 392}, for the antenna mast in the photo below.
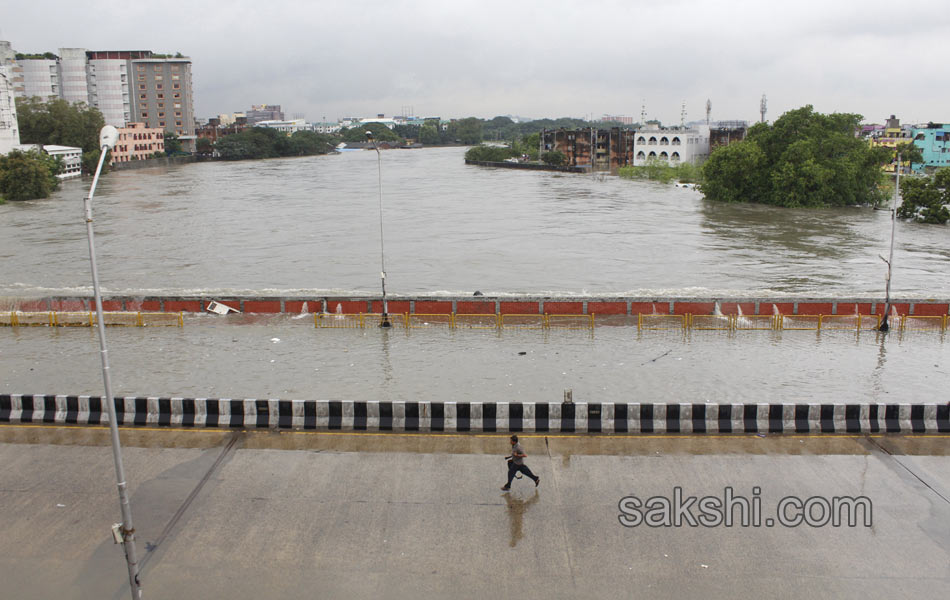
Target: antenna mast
{"x": 762, "y": 108}
{"x": 708, "y": 110}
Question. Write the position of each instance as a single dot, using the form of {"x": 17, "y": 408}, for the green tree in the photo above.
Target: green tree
{"x": 380, "y": 132}
{"x": 429, "y": 134}
{"x": 204, "y": 146}
{"x": 59, "y": 122}
{"x": 28, "y": 175}
{"x": 466, "y": 131}
{"x": 307, "y": 143}
{"x": 736, "y": 173}
{"x": 554, "y": 157}
{"x": 172, "y": 144}
{"x": 923, "y": 198}
{"x": 484, "y": 153}
{"x": 803, "y": 159}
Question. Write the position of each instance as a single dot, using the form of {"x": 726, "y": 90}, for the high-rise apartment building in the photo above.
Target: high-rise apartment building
{"x": 125, "y": 85}
{"x": 9, "y": 132}
{"x": 264, "y": 112}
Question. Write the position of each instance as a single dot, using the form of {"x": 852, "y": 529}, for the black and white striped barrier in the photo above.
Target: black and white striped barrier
{"x": 579, "y": 417}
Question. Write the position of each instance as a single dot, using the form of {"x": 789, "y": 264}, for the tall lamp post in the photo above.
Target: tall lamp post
{"x": 384, "y": 322}
{"x": 122, "y": 531}
{"x": 890, "y": 259}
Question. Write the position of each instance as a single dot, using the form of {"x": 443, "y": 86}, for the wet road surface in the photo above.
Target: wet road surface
{"x": 294, "y": 514}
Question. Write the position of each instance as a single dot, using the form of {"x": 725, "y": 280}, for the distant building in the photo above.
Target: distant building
{"x": 326, "y": 127}
{"x": 617, "y": 119}
{"x": 288, "y": 127}
{"x": 9, "y": 130}
{"x": 264, "y": 112}
{"x": 71, "y": 157}
{"x": 138, "y": 142}
{"x": 723, "y": 133}
{"x": 672, "y": 144}
{"x": 125, "y": 85}
{"x": 890, "y": 136}
{"x": 600, "y": 149}
{"x": 934, "y": 143}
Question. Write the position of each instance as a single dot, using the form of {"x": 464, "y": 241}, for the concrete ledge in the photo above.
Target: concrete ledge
{"x": 553, "y": 417}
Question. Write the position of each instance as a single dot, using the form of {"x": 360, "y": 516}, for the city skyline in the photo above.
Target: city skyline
{"x": 534, "y": 60}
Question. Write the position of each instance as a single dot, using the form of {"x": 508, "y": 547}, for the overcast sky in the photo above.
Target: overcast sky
{"x": 551, "y": 58}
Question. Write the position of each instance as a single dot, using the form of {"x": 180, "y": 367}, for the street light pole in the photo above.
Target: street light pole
{"x": 107, "y": 139}
{"x": 384, "y": 322}
{"x": 890, "y": 258}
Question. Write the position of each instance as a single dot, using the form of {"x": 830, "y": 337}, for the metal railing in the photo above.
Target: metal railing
{"x": 88, "y": 319}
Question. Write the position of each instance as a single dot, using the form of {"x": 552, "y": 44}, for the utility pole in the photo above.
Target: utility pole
{"x": 890, "y": 259}
{"x": 123, "y": 532}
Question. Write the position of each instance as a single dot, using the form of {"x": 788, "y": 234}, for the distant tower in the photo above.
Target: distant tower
{"x": 643, "y": 113}
{"x": 683, "y": 115}
{"x": 708, "y": 110}
{"x": 762, "y": 108}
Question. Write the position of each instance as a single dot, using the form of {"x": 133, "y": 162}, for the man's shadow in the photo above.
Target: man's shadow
{"x": 516, "y": 509}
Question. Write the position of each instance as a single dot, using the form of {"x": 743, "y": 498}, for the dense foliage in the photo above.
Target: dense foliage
{"x": 803, "y": 159}
{"x": 554, "y": 157}
{"x": 28, "y": 175}
{"x": 261, "y": 142}
{"x": 924, "y": 198}
{"x": 490, "y": 153}
{"x": 61, "y": 123}
{"x": 380, "y": 132}
{"x": 664, "y": 172}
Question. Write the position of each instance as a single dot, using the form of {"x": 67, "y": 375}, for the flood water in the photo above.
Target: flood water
{"x": 287, "y": 357}
{"x": 311, "y": 226}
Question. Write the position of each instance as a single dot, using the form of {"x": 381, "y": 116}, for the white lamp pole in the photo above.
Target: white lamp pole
{"x": 107, "y": 139}
{"x": 890, "y": 259}
{"x": 384, "y": 322}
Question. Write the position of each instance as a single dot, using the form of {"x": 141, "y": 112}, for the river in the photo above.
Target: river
{"x": 312, "y": 226}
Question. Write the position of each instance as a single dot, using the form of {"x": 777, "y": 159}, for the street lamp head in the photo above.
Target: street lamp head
{"x": 108, "y": 136}
{"x": 369, "y": 135}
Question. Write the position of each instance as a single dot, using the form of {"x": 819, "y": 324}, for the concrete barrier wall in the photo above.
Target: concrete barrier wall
{"x": 580, "y": 417}
{"x": 490, "y": 305}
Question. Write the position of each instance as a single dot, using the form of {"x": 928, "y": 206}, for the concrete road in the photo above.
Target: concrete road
{"x": 322, "y": 515}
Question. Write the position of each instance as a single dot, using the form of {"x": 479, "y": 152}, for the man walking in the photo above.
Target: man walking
{"x": 516, "y": 463}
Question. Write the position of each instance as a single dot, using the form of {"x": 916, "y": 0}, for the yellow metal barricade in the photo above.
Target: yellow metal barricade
{"x": 337, "y": 321}
{"x": 522, "y": 321}
{"x": 800, "y": 322}
{"x": 755, "y": 322}
{"x": 417, "y": 321}
{"x": 571, "y": 321}
{"x": 489, "y": 321}
{"x": 711, "y": 322}
{"x": 34, "y": 319}
{"x": 869, "y": 322}
{"x": 8, "y": 319}
{"x": 74, "y": 319}
{"x": 376, "y": 319}
{"x": 845, "y": 322}
{"x": 155, "y": 319}
{"x": 661, "y": 321}
{"x": 924, "y": 323}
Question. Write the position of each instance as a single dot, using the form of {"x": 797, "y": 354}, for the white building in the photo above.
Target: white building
{"x": 71, "y": 156}
{"x": 671, "y": 144}
{"x": 109, "y": 90}
{"x": 288, "y": 127}
{"x": 9, "y": 131}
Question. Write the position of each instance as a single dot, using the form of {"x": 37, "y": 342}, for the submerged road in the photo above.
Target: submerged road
{"x": 338, "y": 515}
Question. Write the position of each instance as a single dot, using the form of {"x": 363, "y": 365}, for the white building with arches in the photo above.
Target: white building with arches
{"x": 672, "y": 145}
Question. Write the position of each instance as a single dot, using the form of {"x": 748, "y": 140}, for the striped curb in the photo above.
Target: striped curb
{"x": 579, "y": 417}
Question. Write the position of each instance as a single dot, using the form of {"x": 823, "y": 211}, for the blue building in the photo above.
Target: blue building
{"x": 934, "y": 143}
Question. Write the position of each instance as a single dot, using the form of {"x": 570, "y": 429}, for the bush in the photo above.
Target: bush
{"x": 28, "y": 175}
{"x": 485, "y": 153}
{"x": 664, "y": 172}
{"x": 554, "y": 157}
